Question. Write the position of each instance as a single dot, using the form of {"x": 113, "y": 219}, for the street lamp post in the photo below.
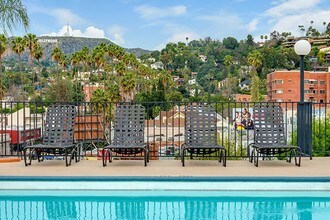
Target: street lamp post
{"x": 304, "y": 122}
{"x": 302, "y": 48}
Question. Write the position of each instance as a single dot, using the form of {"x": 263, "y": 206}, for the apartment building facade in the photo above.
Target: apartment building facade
{"x": 284, "y": 86}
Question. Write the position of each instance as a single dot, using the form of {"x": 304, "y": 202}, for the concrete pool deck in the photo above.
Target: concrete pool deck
{"x": 318, "y": 167}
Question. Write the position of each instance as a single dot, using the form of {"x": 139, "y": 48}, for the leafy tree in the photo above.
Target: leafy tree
{"x": 3, "y": 47}
{"x": 327, "y": 30}
{"x": 63, "y": 90}
{"x": 321, "y": 57}
{"x": 13, "y": 13}
{"x": 249, "y": 40}
{"x": 230, "y": 43}
{"x": 174, "y": 96}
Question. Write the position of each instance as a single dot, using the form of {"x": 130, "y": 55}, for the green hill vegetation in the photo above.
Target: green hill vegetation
{"x": 200, "y": 70}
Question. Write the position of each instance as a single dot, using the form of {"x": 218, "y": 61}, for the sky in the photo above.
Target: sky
{"x": 154, "y": 23}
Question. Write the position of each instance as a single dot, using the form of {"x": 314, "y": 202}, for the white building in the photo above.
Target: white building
{"x": 192, "y": 81}
{"x": 157, "y": 65}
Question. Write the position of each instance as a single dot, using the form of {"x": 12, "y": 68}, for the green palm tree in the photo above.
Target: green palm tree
{"x": 255, "y": 59}
{"x": 31, "y": 42}
{"x": 127, "y": 86}
{"x": 120, "y": 68}
{"x": 75, "y": 61}
{"x": 228, "y": 60}
{"x": 86, "y": 58}
{"x": 3, "y": 47}
{"x": 18, "y": 46}
{"x": 166, "y": 79}
{"x": 56, "y": 55}
{"x": 63, "y": 61}
{"x": 13, "y": 13}
{"x": 98, "y": 57}
{"x": 38, "y": 52}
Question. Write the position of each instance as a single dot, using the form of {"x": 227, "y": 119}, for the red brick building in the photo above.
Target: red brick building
{"x": 284, "y": 86}
{"x": 245, "y": 98}
{"x": 89, "y": 89}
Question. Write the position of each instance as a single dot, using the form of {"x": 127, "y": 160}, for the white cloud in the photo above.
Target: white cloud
{"x": 116, "y": 34}
{"x": 252, "y": 26}
{"x": 287, "y": 15}
{"x": 225, "y": 24}
{"x": 150, "y": 12}
{"x": 178, "y": 36}
{"x": 90, "y": 32}
{"x": 290, "y": 23}
{"x": 63, "y": 16}
{"x": 290, "y": 7}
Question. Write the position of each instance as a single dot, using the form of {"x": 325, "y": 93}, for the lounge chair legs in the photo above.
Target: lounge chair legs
{"x": 299, "y": 154}
{"x": 25, "y": 159}
{"x": 222, "y": 157}
{"x": 182, "y": 155}
{"x": 66, "y": 157}
{"x": 104, "y": 160}
{"x": 146, "y": 152}
{"x": 256, "y": 157}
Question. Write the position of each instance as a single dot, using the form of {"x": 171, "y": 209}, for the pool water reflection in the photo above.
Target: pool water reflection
{"x": 166, "y": 205}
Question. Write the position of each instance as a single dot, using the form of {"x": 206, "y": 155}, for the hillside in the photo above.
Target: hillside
{"x": 70, "y": 45}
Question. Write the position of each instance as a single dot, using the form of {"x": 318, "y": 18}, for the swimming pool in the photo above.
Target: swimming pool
{"x": 163, "y": 198}
{"x": 164, "y": 205}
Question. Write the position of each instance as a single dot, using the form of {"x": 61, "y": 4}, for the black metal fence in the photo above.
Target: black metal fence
{"x": 22, "y": 123}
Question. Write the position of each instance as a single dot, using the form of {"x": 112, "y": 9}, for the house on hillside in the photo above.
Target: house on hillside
{"x": 203, "y": 58}
{"x": 157, "y": 65}
{"x": 192, "y": 81}
{"x": 245, "y": 85}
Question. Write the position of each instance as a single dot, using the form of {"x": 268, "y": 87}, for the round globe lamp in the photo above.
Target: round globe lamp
{"x": 302, "y": 48}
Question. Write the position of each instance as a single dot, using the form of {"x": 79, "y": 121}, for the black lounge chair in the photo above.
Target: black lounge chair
{"x": 269, "y": 134}
{"x": 128, "y": 133}
{"x": 201, "y": 133}
{"x": 58, "y": 136}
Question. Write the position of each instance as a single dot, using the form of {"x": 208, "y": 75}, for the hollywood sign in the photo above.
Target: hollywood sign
{"x": 47, "y": 41}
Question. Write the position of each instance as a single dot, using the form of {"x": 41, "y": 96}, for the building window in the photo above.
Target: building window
{"x": 290, "y": 81}
{"x": 279, "y": 91}
{"x": 279, "y": 81}
{"x": 322, "y": 82}
{"x": 314, "y": 91}
{"x": 321, "y": 100}
{"x": 313, "y": 82}
{"x": 322, "y": 91}
{"x": 279, "y": 100}
{"x": 306, "y": 81}
{"x": 307, "y": 91}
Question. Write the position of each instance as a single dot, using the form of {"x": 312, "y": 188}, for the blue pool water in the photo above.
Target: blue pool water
{"x": 29, "y": 204}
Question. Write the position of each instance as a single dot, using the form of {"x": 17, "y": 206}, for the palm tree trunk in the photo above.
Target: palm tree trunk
{"x": 0, "y": 70}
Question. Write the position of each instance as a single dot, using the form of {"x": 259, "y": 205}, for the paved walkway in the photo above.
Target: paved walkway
{"x": 318, "y": 167}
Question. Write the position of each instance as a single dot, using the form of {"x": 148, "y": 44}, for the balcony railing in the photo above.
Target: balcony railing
{"x": 22, "y": 123}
